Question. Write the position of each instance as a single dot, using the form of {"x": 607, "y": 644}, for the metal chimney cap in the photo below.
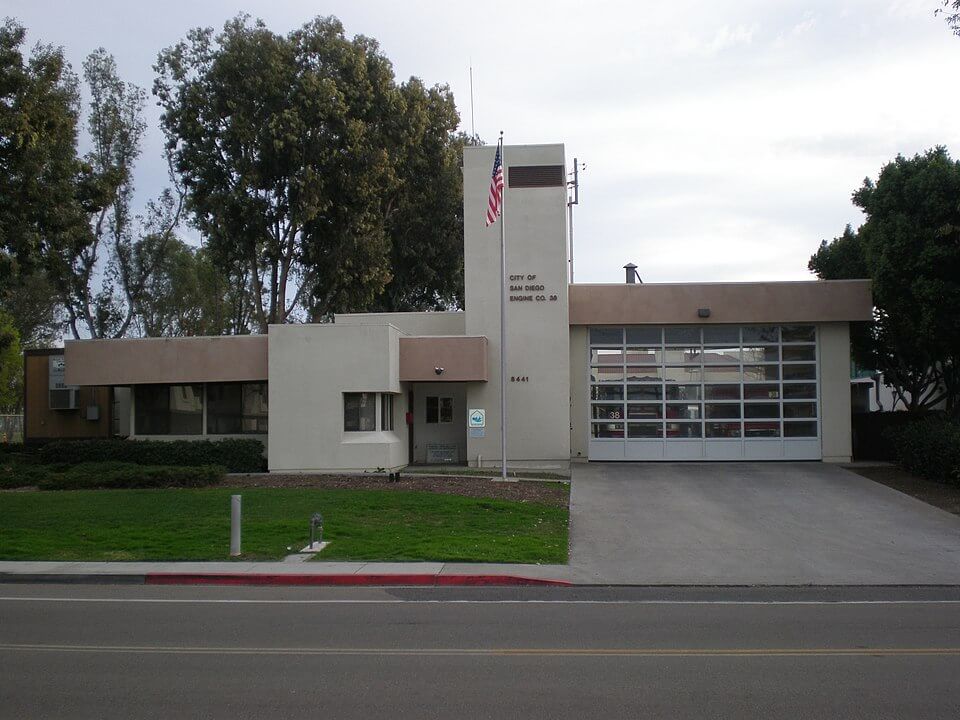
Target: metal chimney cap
{"x": 630, "y": 266}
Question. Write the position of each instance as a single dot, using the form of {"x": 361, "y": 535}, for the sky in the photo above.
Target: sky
{"x": 722, "y": 141}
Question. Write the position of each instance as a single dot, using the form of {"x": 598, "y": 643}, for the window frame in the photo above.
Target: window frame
{"x": 386, "y": 412}
{"x": 440, "y": 414}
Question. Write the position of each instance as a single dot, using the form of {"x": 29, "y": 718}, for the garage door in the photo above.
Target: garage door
{"x": 712, "y": 392}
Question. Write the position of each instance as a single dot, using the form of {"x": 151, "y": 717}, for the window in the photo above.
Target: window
{"x": 713, "y": 382}
{"x": 255, "y": 408}
{"x": 606, "y": 336}
{"x": 168, "y": 409}
{"x": 386, "y": 411}
{"x": 236, "y": 408}
{"x": 360, "y": 412}
{"x": 439, "y": 410}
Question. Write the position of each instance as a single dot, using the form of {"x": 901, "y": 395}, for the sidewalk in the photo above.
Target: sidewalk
{"x": 283, "y": 573}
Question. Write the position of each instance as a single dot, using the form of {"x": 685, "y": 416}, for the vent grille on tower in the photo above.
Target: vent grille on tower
{"x": 535, "y": 176}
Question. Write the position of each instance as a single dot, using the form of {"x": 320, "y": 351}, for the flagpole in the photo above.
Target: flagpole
{"x": 503, "y": 321}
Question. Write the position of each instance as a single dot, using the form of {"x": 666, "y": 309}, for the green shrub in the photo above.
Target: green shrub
{"x": 929, "y": 448}
{"x": 130, "y": 475}
{"x": 24, "y": 450}
{"x": 236, "y": 455}
{"x": 18, "y": 470}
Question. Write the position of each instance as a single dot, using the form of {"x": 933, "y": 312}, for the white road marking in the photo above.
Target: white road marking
{"x": 502, "y": 652}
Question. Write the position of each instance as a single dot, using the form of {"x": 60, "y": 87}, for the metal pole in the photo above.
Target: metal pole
{"x": 234, "y": 525}
{"x": 503, "y": 319}
{"x": 575, "y": 200}
{"x": 473, "y": 127}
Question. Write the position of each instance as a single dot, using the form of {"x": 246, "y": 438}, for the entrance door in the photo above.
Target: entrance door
{"x": 711, "y": 392}
{"x": 439, "y": 423}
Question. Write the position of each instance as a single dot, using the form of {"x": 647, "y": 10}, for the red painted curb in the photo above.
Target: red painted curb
{"x": 417, "y": 579}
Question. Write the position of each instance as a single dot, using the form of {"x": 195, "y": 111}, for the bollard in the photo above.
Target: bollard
{"x": 234, "y": 525}
{"x": 316, "y": 522}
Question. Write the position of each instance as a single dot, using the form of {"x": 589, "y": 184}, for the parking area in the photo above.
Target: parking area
{"x": 753, "y": 524}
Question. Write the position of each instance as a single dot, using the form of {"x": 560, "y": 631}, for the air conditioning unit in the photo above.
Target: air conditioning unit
{"x": 64, "y": 399}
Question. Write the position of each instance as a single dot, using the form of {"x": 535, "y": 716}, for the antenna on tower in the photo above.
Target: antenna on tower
{"x": 573, "y": 198}
{"x": 473, "y": 128}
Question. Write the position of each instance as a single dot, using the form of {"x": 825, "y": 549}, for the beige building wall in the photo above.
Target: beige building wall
{"x": 579, "y": 393}
{"x": 410, "y": 323}
{"x": 538, "y": 405}
{"x": 835, "y": 412}
{"x": 310, "y": 369}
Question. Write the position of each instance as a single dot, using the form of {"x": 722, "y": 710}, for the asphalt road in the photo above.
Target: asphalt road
{"x": 166, "y": 652}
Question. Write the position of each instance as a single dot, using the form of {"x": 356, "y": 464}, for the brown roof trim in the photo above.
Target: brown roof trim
{"x": 35, "y": 352}
{"x": 743, "y": 302}
{"x": 144, "y": 361}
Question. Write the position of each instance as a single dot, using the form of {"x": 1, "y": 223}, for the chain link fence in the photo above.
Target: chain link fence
{"x": 11, "y": 428}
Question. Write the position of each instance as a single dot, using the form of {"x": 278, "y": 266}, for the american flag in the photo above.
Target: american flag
{"x": 495, "y": 201}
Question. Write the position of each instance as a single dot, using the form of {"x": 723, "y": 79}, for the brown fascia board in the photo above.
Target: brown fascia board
{"x": 813, "y": 301}
{"x": 137, "y": 361}
{"x": 461, "y": 358}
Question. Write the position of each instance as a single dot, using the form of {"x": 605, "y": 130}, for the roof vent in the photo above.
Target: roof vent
{"x": 632, "y": 276}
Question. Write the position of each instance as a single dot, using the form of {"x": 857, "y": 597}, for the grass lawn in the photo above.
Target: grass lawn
{"x": 195, "y": 525}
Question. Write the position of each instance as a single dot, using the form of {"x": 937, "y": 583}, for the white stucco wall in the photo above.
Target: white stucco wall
{"x": 410, "y": 323}
{"x": 835, "y": 419}
{"x": 310, "y": 368}
{"x": 538, "y": 409}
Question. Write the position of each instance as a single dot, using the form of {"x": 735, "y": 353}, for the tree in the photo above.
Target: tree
{"x": 31, "y": 302}
{"x": 425, "y": 213}
{"x": 68, "y": 217}
{"x": 102, "y": 281}
{"x": 303, "y": 162}
{"x": 952, "y": 10}
{"x": 40, "y": 175}
{"x": 909, "y": 247}
{"x": 11, "y": 366}
{"x": 188, "y": 295}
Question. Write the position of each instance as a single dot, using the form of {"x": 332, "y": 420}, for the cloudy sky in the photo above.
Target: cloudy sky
{"x": 722, "y": 140}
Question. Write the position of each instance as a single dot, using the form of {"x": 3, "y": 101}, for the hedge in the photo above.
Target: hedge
{"x": 129, "y": 475}
{"x": 929, "y": 448}
{"x": 236, "y": 455}
{"x": 18, "y": 471}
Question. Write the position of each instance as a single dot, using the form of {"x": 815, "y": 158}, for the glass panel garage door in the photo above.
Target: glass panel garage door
{"x": 712, "y": 392}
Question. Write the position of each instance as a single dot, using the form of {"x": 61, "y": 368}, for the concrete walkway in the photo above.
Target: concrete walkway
{"x": 753, "y": 524}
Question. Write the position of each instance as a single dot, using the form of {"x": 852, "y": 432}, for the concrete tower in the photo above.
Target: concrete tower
{"x": 538, "y": 360}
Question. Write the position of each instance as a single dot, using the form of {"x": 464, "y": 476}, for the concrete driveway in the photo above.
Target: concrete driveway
{"x": 753, "y": 523}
